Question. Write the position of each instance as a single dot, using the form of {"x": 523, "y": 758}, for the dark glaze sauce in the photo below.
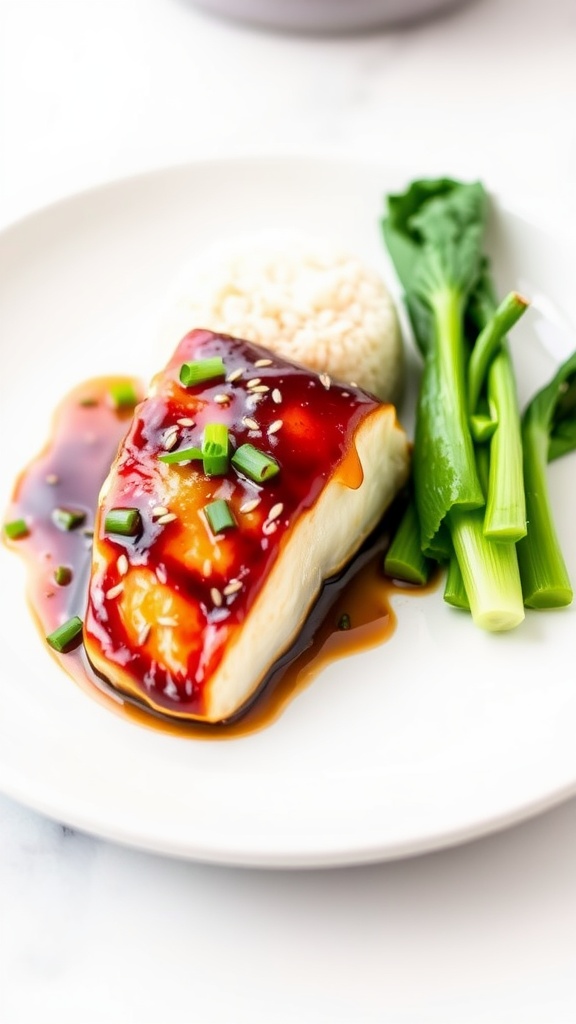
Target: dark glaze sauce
{"x": 69, "y": 473}
{"x": 165, "y": 625}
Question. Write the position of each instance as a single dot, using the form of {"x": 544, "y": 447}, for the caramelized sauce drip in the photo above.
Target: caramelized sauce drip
{"x": 69, "y": 474}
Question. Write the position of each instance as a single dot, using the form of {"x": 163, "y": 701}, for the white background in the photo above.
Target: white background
{"x": 95, "y": 89}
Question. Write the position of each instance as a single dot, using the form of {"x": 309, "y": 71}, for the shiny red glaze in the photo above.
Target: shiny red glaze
{"x": 319, "y": 419}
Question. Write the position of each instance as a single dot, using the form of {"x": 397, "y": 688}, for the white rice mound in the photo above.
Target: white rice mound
{"x": 301, "y": 298}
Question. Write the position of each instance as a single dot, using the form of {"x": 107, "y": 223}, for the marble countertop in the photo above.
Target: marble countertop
{"x": 94, "y": 933}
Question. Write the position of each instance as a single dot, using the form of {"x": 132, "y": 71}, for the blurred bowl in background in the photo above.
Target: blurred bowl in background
{"x": 326, "y": 16}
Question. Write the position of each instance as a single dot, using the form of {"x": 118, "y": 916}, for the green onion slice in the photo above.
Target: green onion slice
{"x": 68, "y": 518}
{"x": 123, "y": 394}
{"x": 16, "y": 529}
{"x": 219, "y": 516}
{"x": 124, "y": 521}
{"x": 182, "y": 455}
{"x": 201, "y": 371}
{"x": 256, "y": 465}
{"x": 65, "y": 635}
{"x": 215, "y": 449}
{"x": 63, "y": 575}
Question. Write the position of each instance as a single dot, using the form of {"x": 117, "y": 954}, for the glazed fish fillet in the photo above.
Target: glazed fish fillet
{"x": 188, "y": 611}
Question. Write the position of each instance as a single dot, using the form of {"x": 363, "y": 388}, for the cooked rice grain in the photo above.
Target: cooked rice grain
{"x": 303, "y": 300}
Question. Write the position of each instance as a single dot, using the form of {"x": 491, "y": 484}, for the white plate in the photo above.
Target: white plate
{"x": 442, "y": 734}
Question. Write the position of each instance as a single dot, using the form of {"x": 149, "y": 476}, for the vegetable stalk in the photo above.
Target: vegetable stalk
{"x": 548, "y": 430}
{"x": 434, "y": 234}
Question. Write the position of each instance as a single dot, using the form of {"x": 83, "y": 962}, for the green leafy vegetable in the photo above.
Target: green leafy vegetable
{"x": 548, "y": 431}
{"x": 404, "y": 559}
{"x": 481, "y": 501}
{"x": 434, "y": 233}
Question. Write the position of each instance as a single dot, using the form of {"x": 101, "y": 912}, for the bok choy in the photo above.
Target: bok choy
{"x": 469, "y": 506}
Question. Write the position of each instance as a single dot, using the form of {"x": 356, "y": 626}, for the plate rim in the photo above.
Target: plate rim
{"x": 351, "y": 855}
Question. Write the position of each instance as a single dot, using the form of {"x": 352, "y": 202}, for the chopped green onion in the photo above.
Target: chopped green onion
{"x": 64, "y": 636}
{"x": 344, "y": 622}
{"x": 16, "y": 529}
{"x": 256, "y": 465}
{"x": 201, "y": 371}
{"x": 124, "y": 521}
{"x": 68, "y": 518}
{"x": 63, "y": 575}
{"x": 215, "y": 449}
{"x": 182, "y": 455}
{"x": 123, "y": 394}
{"x": 219, "y": 516}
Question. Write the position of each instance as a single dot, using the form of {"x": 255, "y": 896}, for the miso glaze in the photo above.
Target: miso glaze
{"x": 69, "y": 473}
{"x": 161, "y": 628}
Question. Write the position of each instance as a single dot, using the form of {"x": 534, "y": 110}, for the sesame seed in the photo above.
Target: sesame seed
{"x": 185, "y": 421}
{"x": 277, "y": 396}
{"x": 325, "y": 380}
{"x": 114, "y": 591}
{"x": 169, "y": 517}
{"x": 275, "y": 511}
{"x": 268, "y": 527}
{"x": 216, "y": 596}
{"x": 222, "y": 399}
{"x": 260, "y": 389}
{"x": 234, "y": 375}
{"x": 166, "y": 620}
{"x": 207, "y": 567}
{"x": 160, "y": 510}
{"x": 51, "y": 479}
{"x": 275, "y": 427}
{"x": 263, "y": 362}
{"x": 252, "y": 383}
{"x": 353, "y": 384}
{"x": 250, "y": 423}
{"x": 144, "y": 634}
{"x": 170, "y": 439}
{"x": 232, "y": 588}
{"x": 161, "y": 574}
{"x": 122, "y": 565}
{"x": 249, "y": 506}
